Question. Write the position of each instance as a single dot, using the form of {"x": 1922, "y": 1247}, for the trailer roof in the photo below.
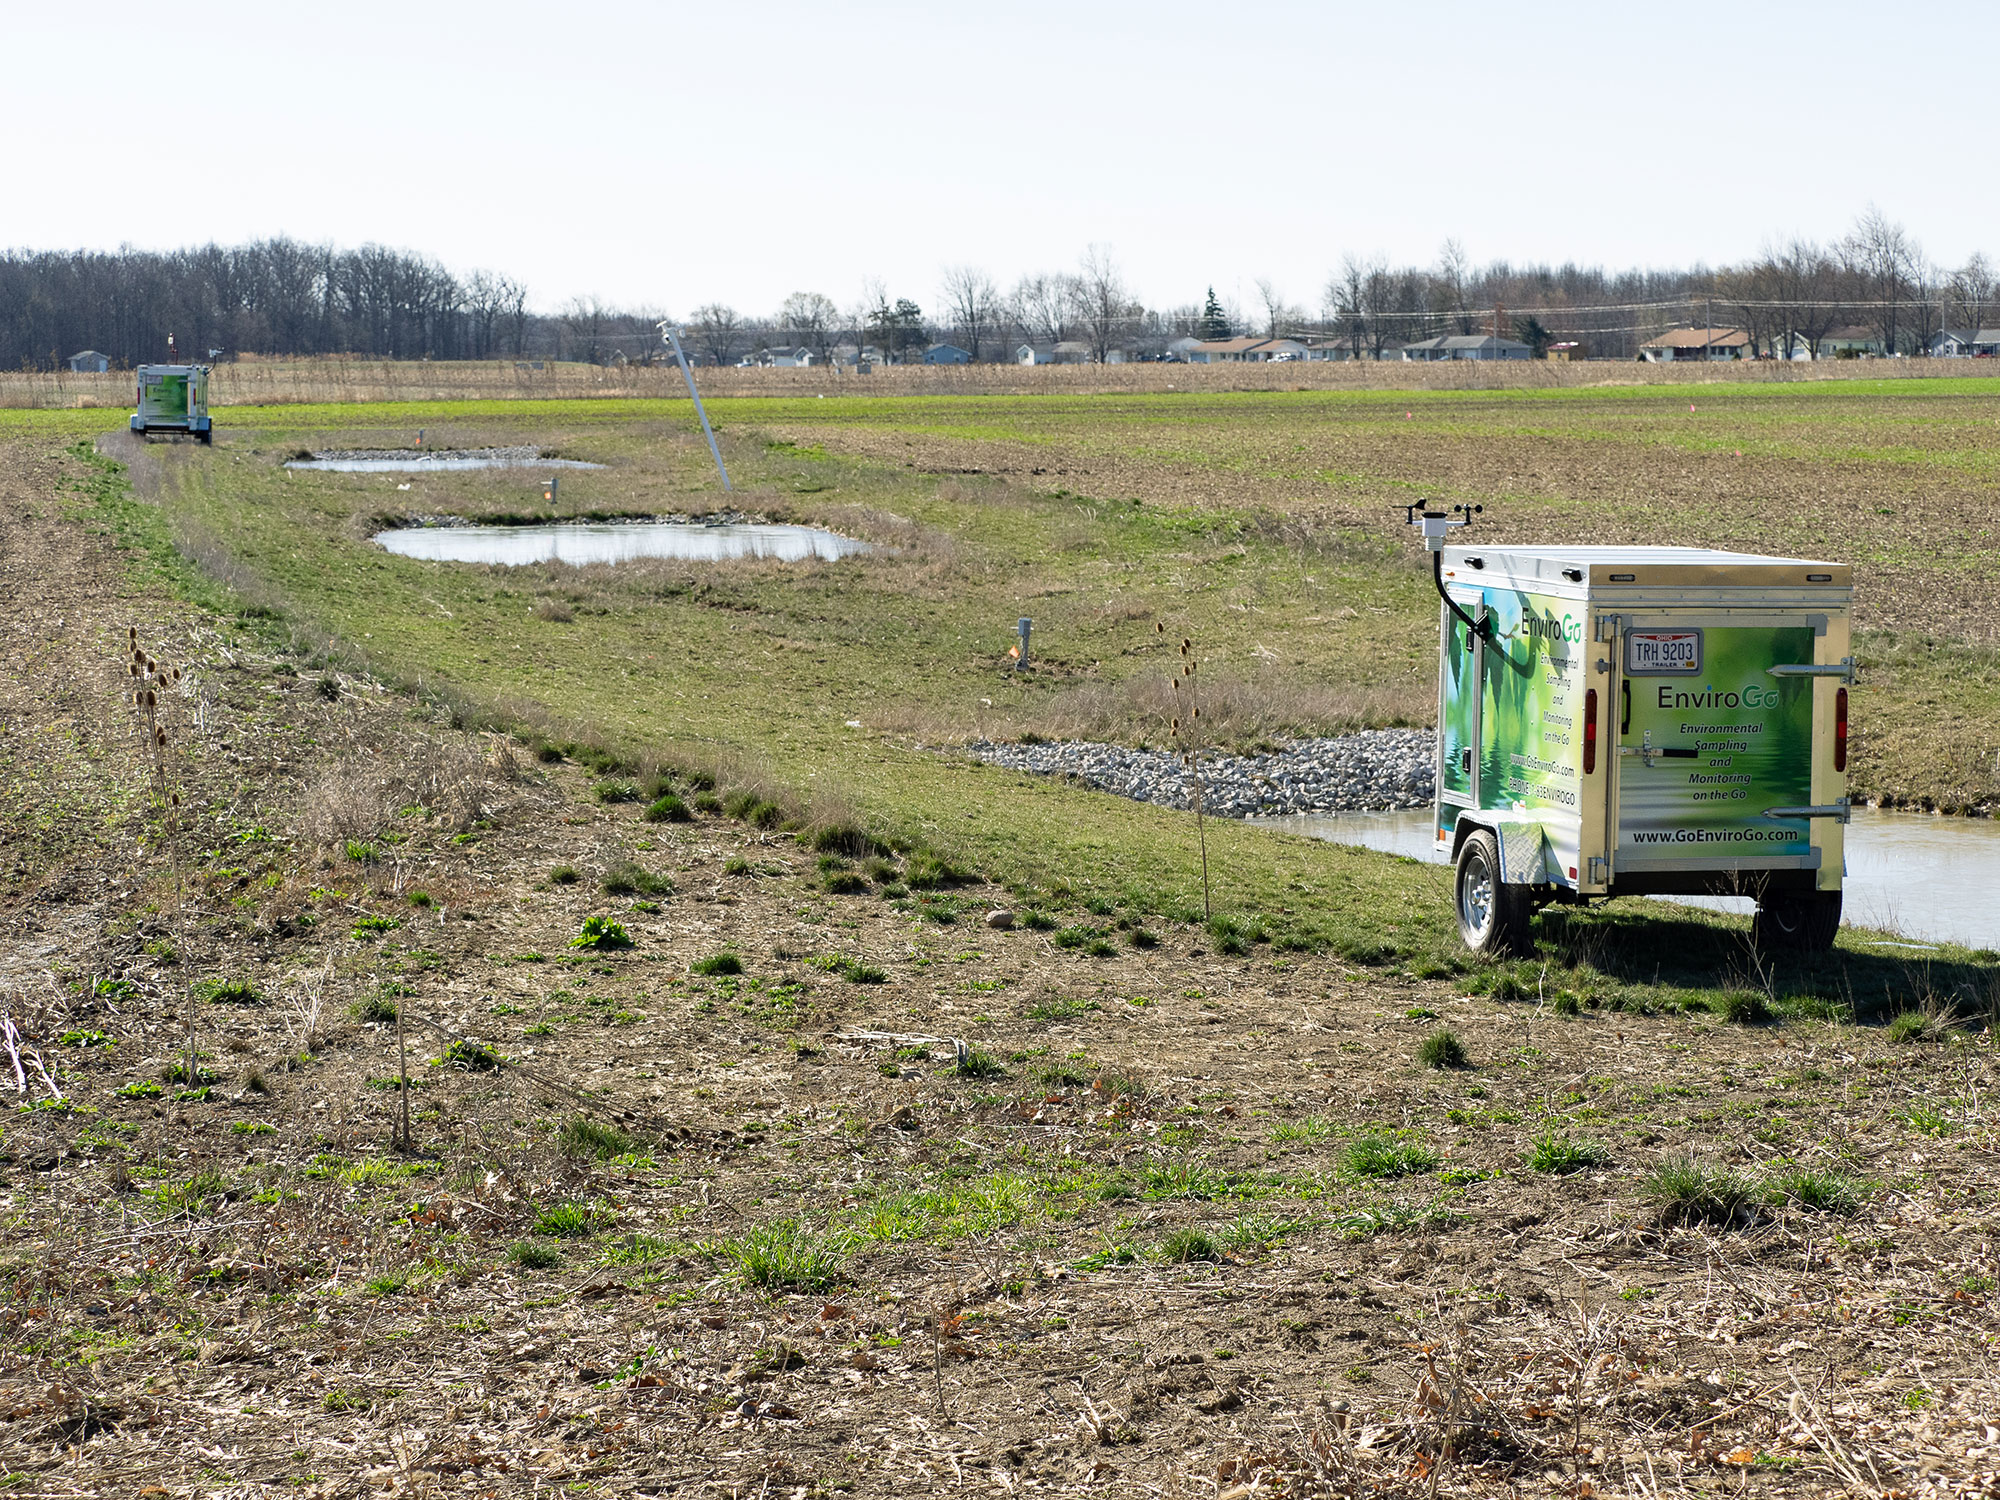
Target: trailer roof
{"x": 1595, "y": 568}
{"x": 1679, "y": 556}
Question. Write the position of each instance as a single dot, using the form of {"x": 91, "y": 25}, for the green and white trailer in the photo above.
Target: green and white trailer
{"x": 173, "y": 398}
{"x": 1641, "y": 721}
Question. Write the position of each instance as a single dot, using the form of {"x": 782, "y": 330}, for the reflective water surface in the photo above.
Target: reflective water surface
{"x": 615, "y": 541}
{"x": 426, "y": 461}
{"x": 1926, "y": 879}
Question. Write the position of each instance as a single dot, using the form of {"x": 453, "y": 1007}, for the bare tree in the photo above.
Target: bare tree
{"x": 1882, "y": 255}
{"x": 1105, "y": 304}
{"x": 1806, "y": 279}
{"x": 1972, "y": 291}
{"x": 718, "y": 331}
{"x": 583, "y": 320}
{"x": 1452, "y": 283}
{"x": 1342, "y": 299}
{"x": 972, "y": 303}
{"x": 490, "y": 298}
{"x": 810, "y": 318}
{"x": 1045, "y": 306}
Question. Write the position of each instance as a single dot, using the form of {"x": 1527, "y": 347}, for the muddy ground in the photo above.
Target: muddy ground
{"x": 909, "y": 1204}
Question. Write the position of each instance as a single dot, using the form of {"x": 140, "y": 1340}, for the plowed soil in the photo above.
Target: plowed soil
{"x": 908, "y": 1205}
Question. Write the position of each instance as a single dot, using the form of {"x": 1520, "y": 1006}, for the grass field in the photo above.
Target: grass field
{"x": 1263, "y": 527}
{"x": 746, "y": 1159}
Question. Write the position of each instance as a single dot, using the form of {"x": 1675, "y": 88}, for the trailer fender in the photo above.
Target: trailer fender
{"x": 1525, "y": 855}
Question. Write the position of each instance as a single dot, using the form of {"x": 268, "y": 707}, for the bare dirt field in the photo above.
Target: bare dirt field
{"x": 822, "y": 1185}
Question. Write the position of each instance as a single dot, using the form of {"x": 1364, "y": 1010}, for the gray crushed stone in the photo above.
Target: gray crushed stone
{"x": 1376, "y": 770}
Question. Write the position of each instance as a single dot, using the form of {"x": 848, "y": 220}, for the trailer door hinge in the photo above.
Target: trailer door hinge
{"x": 1608, "y": 627}
{"x": 1600, "y": 870}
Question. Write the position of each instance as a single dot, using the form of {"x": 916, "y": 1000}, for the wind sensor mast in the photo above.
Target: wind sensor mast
{"x": 1436, "y": 525}
{"x": 673, "y": 340}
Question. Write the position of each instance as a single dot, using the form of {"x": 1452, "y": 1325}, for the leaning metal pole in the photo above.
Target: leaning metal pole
{"x": 674, "y": 342}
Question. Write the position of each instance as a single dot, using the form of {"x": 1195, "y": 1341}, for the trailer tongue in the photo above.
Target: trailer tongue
{"x": 1641, "y": 721}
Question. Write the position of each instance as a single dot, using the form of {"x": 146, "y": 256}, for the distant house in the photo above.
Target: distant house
{"x": 1072, "y": 352}
{"x": 947, "y": 354}
{"x": 1965, "y": 343}
{"x": 1697, "y": 343}
{"x": 1850, "y": 343}
{"x": 1245, "y": 351}
{"x": 787, "y": 357}
{"x": 90, "y": 362}
{"x": 1180, "y": 350}
{"x": 1467, "y": 346}
{"x": 1035, "y": 354}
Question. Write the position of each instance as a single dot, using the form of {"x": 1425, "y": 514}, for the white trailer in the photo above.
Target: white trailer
{"x": 173, "y": 398}
{"x": 1641, "y": 721}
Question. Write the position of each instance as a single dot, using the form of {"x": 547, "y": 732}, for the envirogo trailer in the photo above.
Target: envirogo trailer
{"x": 173, "y": 398}
{"x": 1641, "y": 721}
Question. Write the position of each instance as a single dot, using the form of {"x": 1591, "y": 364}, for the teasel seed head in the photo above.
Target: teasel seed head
{"x": 160, "y": 737}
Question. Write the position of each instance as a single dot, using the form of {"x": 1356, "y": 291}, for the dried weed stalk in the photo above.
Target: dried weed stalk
{"x": 1186, "y": 725}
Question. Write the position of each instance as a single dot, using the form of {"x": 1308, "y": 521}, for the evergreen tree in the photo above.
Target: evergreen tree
{"x": 1213, "y": 324}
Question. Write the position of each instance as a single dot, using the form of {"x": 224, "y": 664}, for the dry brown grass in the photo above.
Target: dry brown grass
{"x": 343, "y": 379}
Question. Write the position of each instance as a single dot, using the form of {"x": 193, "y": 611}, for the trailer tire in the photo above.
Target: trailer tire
{"x": 1802, "y": 923}
{"x": 1493, "y": 916}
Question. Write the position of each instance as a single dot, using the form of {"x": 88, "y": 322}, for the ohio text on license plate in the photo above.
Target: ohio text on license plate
{"x": 1657, "y": 651}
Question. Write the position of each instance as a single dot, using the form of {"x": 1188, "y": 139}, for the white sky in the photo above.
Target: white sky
{"x": 669, "y": 154}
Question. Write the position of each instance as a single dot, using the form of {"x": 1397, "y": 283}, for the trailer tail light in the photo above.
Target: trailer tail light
{"x": 1590, "y": 731}
{"x": 1839, "y": 730}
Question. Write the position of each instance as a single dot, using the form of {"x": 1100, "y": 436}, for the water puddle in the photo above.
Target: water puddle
{"x": 1923, "y": 878}
{"x": 616, "y": 541}
{"x": 432, "y": 460}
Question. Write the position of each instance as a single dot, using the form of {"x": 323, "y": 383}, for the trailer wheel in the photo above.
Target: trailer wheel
{"x": 1492, "y": 915}
{"x": 1803, "y": 923}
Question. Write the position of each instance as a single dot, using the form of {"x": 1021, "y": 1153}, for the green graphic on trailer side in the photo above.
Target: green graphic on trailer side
{"x": 1521, "y": 722}
{"x": 1752, "y": 737}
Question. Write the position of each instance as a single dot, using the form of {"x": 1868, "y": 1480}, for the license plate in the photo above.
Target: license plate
{"x": 1654, "y": 653}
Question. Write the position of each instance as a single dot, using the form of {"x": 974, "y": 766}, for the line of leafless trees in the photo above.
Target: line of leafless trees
{"x": 279, "y": 297}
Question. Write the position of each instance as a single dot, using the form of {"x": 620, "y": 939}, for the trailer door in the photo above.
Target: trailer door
{"x": 1709, "y": 741}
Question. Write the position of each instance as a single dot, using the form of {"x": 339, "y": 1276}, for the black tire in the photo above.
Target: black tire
{"x": 1800, "y": 923}
{"x": 1493, "y": 917}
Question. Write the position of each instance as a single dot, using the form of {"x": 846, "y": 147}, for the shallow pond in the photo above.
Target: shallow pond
{"x": 432, "y": 461}
{"x": 616, "y": 541}
{"x": 1931, "y": 880}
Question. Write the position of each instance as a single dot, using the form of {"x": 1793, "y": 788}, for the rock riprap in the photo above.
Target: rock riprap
{"x": 1376, "y": 770}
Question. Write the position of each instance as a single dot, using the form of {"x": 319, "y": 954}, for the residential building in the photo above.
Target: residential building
{"x": 89, "y": 362}
{"x": 1245, "y": 351}
{"x": 1965, "y": 343}
{"x": 1697, "y": 343}
{"x": 787, "y": 356}
{"x": 947, "y": 354}
{"x": 1466, "y": 346}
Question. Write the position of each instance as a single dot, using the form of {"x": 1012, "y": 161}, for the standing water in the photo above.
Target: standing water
{"x": 1928, "y": 879}
{"x": 615, "y": 541}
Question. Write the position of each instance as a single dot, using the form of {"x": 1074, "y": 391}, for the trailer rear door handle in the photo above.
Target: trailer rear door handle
{"x": 1843, "y": 669}
{"x": 1839, "y": 810}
